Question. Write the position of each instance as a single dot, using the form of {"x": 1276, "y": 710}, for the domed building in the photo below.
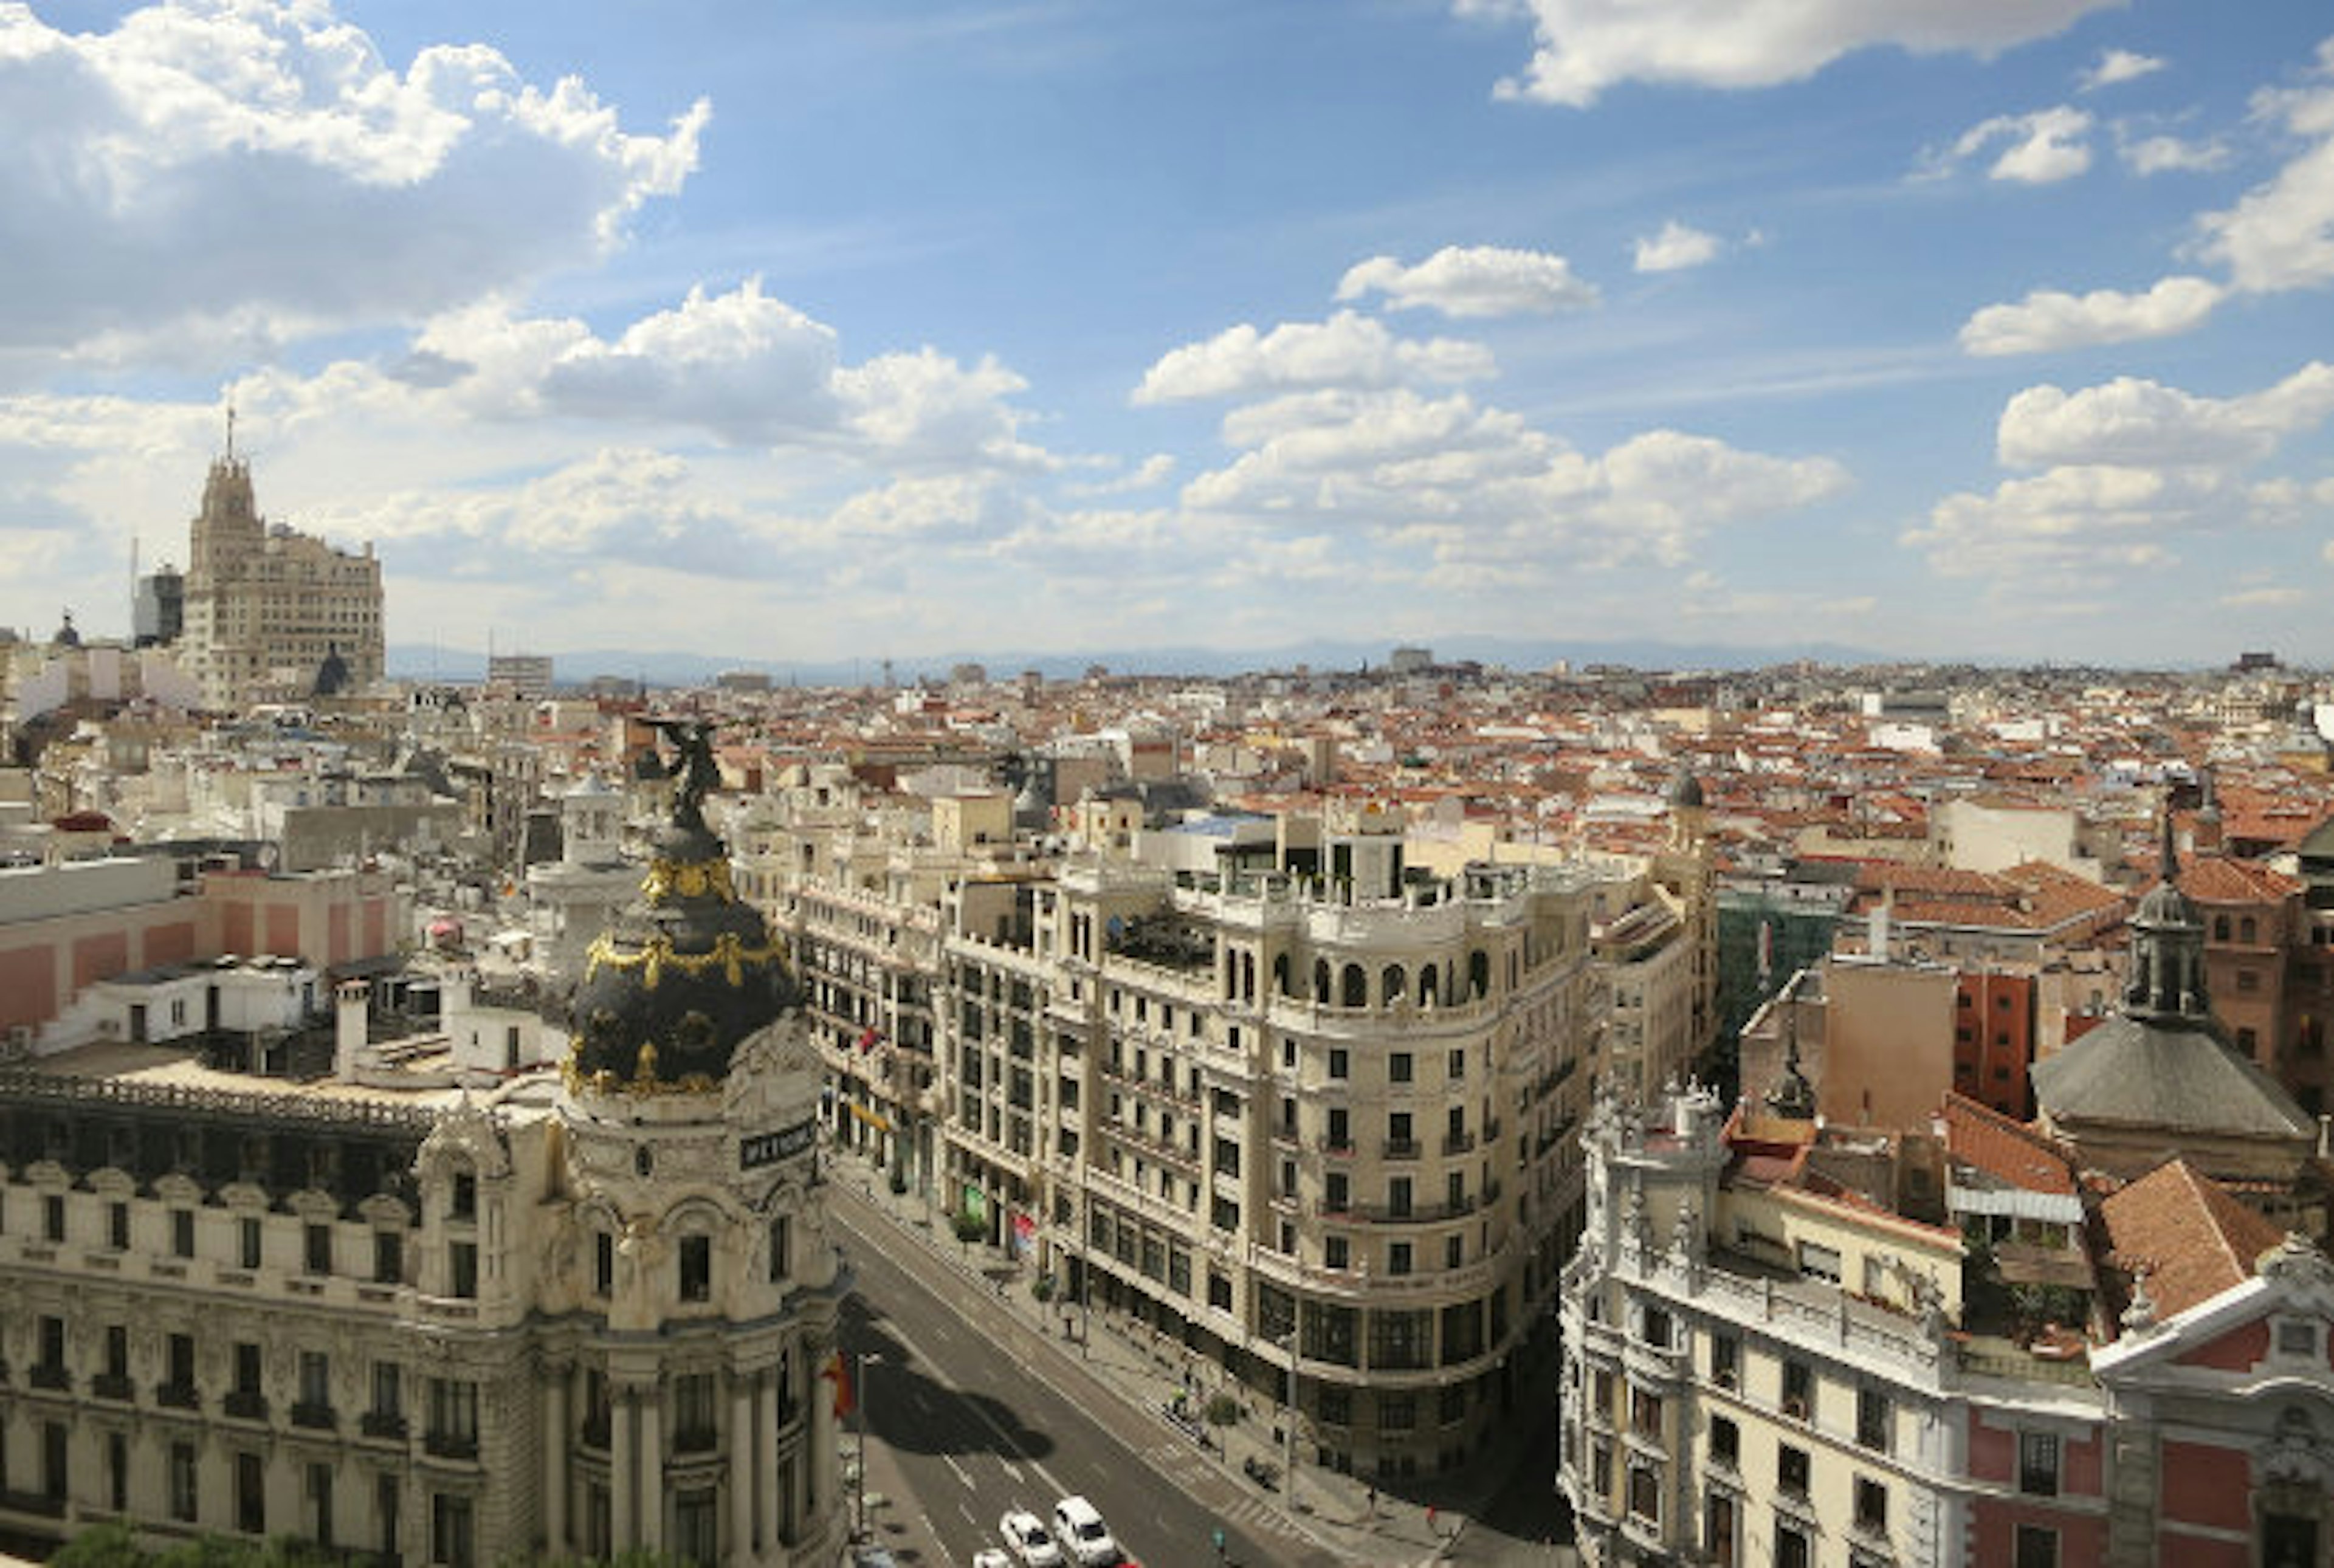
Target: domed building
{"x": 436, "y": 1311}
{"x": 2161, "y": 1077}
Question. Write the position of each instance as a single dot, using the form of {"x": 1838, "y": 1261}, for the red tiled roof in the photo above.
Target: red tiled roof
{"x": 2192, "y": 1238}
{"x": 1982, "y": 1137}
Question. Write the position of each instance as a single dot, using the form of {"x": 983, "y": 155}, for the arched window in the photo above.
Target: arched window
{"x": 2219, "y": 928}
{"x": 1356, "y": 987}
{"x": 1321, "y": 981}
{"x": 1479, "y": 975}
{"x": 1427, "y": 986}
{"x": 1393, "y": 986}
{"x": 1280, "y": 974}
{"x": 2245, "y": 929}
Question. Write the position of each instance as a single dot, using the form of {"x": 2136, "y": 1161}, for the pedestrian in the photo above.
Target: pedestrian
{"x": 1430, "y": 1517}
{"x": 1370, "y": 1496}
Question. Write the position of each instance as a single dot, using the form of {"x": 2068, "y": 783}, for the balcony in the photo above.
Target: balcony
{"x": 247, "y": 1404}
{"x": 56, "y": 1378}
{"x": 451, "y": 1445}
{"x": 177, "y": 1397}
{"x": 110, "y": 1386}
{"x": 383, "y": 1424}
{"x": 1341, "y": 1147}
{"x": 315, "y": 1417}
{"x": 1400, "y": 1148}
{"x": 1458, "y": 1143}
{"x": 696, "y": 1440}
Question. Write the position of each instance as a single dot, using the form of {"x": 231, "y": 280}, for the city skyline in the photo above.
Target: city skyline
{"x": 797, "y": 337}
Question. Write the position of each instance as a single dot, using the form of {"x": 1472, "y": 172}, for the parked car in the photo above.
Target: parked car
{"x": 991, "y": 1558}
{"x": 1025, "y": 1538}
{"x": 872, "y": 1557}
{"x": 1078, "y": 1525}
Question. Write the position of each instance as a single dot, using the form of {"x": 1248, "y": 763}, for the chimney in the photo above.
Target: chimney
{"x": 349, "y": 1034}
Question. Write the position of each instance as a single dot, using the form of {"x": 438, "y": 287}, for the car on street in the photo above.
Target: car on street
{"x": 991, "y": 1558}
{"x": 1077, "y": 1525}
{"x": 1027, "y": 1539}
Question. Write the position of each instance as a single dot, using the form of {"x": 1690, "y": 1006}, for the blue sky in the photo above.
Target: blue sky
{"x": 1997, "y": 328}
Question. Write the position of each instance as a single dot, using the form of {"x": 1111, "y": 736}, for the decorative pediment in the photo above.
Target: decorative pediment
{"x": 465, "y": 1134}
{"x": 2294, "y": 1265}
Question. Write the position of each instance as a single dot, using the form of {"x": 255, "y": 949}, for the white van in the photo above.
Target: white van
{"x": 1079, "y": 1530}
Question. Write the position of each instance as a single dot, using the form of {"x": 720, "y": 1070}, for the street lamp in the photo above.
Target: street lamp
{"x": 862, "y": 1364}
{"x": 1288, "y": 1338}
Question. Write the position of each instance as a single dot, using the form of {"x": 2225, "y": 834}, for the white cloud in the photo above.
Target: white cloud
{"x": 2280, "y": 234}
{"x": 2119, "y": 65}
{"x": 1472, "y": 281}
{"x": 2070, "y": 523}
{"x": 925, "y": 408}
{"x": 1585, "y": 47}
{"x": 2046, "y": 145}
{"x": 1346, "y": 351}
{"x": 1676, "y": 248}
{"x": 742, "y": 365}
{"x": 1484, "y": 490}
{"x": 221, "y": 177}
{"x": 2130, "y": 421}
{"x": 2169, "y": 154}
{"x": 2262, "y": 599}
{"x": 2048, "y": 318}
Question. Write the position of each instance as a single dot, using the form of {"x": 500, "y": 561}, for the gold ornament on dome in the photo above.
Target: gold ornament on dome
{"x": 642, "y": 1082}
{"x": 688, "y": 880}
{"x": 656, "y": 955}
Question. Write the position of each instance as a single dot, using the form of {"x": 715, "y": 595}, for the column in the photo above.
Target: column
{"x": 555, "y": 1438}
{"x": 620, "y": 1466}
{"x": 651, "y": 1517}
{"x": 766, "y": 1452}
{"x": 741, "y": 1465}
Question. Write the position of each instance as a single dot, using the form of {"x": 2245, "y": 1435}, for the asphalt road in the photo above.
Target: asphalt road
{"x": 973, "y": 1413}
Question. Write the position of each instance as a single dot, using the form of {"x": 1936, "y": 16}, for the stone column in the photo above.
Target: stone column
{"x": 741, "y": 1465}
{"x": 555, "y": 1438}
{"x": 622, "y": 1466}
{"x": 651, "y": 1469}
{"x": 765, "y": 1464}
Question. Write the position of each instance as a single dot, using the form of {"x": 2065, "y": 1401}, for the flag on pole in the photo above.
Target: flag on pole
{"x": 838, "y": 1371}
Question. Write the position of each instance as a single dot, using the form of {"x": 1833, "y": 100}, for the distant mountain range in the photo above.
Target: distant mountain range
{"x": 414, "y": 661}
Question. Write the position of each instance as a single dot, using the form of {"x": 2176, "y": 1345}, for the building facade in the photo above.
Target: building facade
{"x": 435, "y": 1310}
{"x": 264, "y": 606}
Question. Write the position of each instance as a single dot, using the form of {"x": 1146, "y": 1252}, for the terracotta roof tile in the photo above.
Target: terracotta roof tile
{"x": 2192, "y": 1238}
{"x": 1982, "y": 1137}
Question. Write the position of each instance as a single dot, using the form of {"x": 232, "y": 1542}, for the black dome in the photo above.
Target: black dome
{"x": 684, "y": 977}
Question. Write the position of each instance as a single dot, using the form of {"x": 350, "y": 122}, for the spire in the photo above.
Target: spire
{"x": 2167, "y": 948}
{"x": 230, "y": 429}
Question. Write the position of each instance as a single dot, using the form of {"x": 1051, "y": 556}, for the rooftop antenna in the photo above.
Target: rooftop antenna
{"x": 230, "y": 429}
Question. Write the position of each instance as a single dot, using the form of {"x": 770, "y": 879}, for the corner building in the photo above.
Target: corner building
{"x": 571, "y": 1313}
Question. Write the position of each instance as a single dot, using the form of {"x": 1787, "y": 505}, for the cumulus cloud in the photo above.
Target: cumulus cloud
{"x": 1484, "y": 489}
{"x": 2280, "y": 234}
{"x": 220, "y": 176}
{"x": 2132, "y": 421}
{"x": 2119, "y": 65}
{"x": 1583, "y": 47}
{"x": 926, "y": 408}
{"x": 1676, "y": 248}
{"x": 742, "y": 365}
{"x": 2046, "y": 145}
{"x": 2169, "y": 154}
{"x": 1347, "y": 350}
{"x": 2135, "y": 469}
{"x": 2050, "y": 319}
{"x": 1472, "y": 281}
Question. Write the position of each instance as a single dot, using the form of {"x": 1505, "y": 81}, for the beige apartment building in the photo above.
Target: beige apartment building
{"x": 266, "y": 607}
{"x": 1318, "y": 1129}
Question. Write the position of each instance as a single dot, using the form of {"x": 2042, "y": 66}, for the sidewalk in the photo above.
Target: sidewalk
{"x": 1343, "y": 1515}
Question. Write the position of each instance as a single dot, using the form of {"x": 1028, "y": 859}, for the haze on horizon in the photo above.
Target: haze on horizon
{"x": 797, "y": 333}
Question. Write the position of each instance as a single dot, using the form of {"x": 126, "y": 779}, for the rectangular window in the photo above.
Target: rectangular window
{"x": 1333, "y": 1252}
{"x": 1645, "y": 1413}
{"x": 454, "y": 1412}
{"x": 1725, "y": 1360}
{"x": 1791, "y": 1547}
{"x": 781, "y": 1248}
{"x": 1819, "y": 1262}
{"x": 316, "y": 1380}
{"x": 318, "y": 1250}
{"x": 450, "y": 1531}
{"x": 462, "y": 1269}
{"x": 693, "y": 1429}
{"x": 1725, "y": 1442}
{"x": 1798, "y": 1390}
{"x": 388, "y": 1391}
{"x": 2038, "y": 1464}
{"x": 1871, "y": 1506}
{"x": 1398, "y": 1068}
{"x": 696, "y": 1519}
{"x": 117, "y": 1352}
{"x": 1398, "y": 1257}
{"x": 250, "y": 1495}
{"x": 1645, "y": 1493}
{"x": 1657, "y": 1326}
{"x": 1455, "y": 1067}
{"x": 603, "y": 1263}
{"x": 1792, "y": 1470}
{"x": 248, "y": 1241}
{"x": 696, "y": 1268}
{"x": 52, "y": 1217}
{"x": 180, "y": 1355}
{"x": 2035, "y": 1547}
{"x": 117, "y": 1226}
{"x": 1338, "y": 1061}
{"x": 319, "y": 1490}
{"x": 182, "y": 1483}
{"x": 1872, "y": 1419}
{"x": 389, "y": 1506}
{"x": 464, "y": 1199}
{"x": 183, "y": 1233}
{"x": 389, "y": 1256}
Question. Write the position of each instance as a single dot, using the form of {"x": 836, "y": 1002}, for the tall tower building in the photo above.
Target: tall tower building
{"x": 265, "y": 606}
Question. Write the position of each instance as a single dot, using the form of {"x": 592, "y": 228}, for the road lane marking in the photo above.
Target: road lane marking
{"x": 949, "y": 1460}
